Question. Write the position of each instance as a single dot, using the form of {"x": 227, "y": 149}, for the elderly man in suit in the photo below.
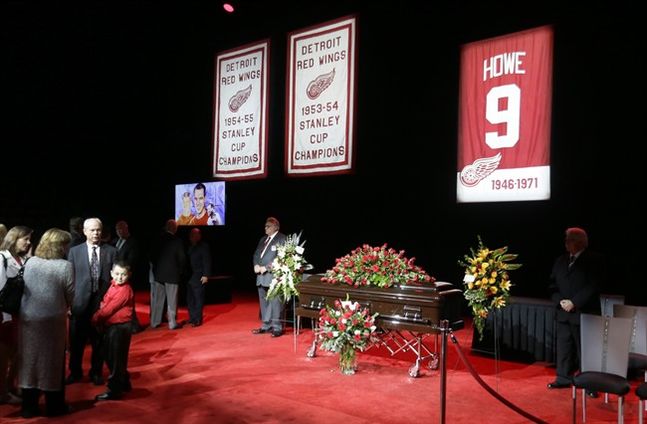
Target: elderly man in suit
{"x": 575, "y": 282}
{"x": 263, "y": 256}
{"x": 92, "y": 263}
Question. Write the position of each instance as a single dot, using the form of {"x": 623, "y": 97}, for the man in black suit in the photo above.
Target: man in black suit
{"x": 263, "y": 257}
{"x": 575, "y": 282}
{"x": 129, "y": 250}
{"x": 168, "y": 259}
{"x": 200, "y": 261}
{"x": 92, "y": 263}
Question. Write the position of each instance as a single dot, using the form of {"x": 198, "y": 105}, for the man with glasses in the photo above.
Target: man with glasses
{"x": 263, "y": 257}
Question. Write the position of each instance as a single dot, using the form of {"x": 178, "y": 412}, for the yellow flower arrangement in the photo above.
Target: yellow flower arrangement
{"x": 487, "y": 283}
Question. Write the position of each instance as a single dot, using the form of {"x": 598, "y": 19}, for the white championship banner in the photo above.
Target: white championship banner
{"x": 240, "y": 112}
{"x": 504, "y": 118}
{"x": 321, "y": 99}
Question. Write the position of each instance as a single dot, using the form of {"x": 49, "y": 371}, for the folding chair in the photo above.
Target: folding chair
{"x": 605, "y": 356}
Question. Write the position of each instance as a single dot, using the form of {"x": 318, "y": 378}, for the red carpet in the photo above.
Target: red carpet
{"x": 221, "y": 373}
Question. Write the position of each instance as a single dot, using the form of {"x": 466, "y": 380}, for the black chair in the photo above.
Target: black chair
{"x": 641, "y": 392}
{"x": 605, "y": 355}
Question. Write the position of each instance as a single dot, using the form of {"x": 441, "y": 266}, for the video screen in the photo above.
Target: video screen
{"x": 200, "y": 203}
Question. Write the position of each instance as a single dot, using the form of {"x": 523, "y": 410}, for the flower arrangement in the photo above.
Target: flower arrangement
{"x": 287, "y": 268}
{"x": 344, "y": 329}
{"x": 487, "y": 283}
{"x": 377, "y": 266}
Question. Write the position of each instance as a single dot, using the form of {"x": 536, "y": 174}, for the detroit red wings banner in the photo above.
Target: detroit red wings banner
{"x": 240, "y": 113}
{"x": 504, "y": 118}
{"x": 320, "y": 94}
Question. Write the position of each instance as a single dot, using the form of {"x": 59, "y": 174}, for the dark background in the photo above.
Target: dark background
{"x": 109, "y": 104}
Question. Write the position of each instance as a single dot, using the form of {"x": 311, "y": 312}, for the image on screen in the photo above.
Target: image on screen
{"x": 200, "y": 203}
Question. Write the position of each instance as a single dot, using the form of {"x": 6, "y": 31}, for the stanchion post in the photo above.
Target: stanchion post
{"x": 444, "y": 329}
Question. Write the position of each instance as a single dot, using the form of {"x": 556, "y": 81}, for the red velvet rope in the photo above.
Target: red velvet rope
{"x": 488, "y": 388}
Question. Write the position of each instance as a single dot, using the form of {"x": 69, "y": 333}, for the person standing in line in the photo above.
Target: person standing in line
{"x": 92, "y": 263}
{"x": 15, "y": 249}
{"x": 201, "y": 216}
{"x": 200, "y": 261}
{"x": 575, "y": 281}
{"x": 263, "y": 257}
{"x": 114, "y": 319}
{"x": 47, "y": 298}
{"x": 168, "y": 259}
{"x": 76, "y": 230}
{"x": 128, "y": 250}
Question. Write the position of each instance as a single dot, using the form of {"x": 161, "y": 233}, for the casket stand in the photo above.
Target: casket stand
{"x": 408, "y": 314}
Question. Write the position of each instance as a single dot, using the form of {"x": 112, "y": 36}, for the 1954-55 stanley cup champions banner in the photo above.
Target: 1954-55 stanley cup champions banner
{"x": 240, "y": 113}
{"x": 504, "y": 118}
{"x": 321, "y": 99}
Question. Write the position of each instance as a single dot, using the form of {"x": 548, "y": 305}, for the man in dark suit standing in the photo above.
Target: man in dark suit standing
{"x": 263, "y": 257}
{"x": 575, "y": 282}
{"x": 92, "y": 263}
{"x": 200, "y": 261}
{"x": 168, "y": 259}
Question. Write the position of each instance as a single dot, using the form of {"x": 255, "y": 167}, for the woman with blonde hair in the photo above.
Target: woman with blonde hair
{"x": 48, "y": 295}
{"x": 15, "y": 249}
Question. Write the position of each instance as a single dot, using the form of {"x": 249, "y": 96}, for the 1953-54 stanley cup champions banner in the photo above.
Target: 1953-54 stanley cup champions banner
{"x": 320, "y": 99}
{"x": 240, "y": 113}
{"x": 504, "y": 118}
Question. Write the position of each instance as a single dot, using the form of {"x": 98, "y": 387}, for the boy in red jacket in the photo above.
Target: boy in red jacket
{"x": 115, "y": 316}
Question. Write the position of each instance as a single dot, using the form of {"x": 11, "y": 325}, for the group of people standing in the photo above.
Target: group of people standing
{"x": 64, "y": 284}
{"x": 78, "y": 286}
{"x": 169, "y": 260}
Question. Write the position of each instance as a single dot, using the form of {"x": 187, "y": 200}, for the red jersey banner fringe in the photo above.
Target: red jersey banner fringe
{"x": 321, "y": 99}
{"x": 240, "y": 112}
{"x": 504, "y": 118}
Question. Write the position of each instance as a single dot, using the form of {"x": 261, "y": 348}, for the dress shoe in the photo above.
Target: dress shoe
{"x": 260, "y": 330}
{"x": 71, "y": 379}
{"x": 108, "y": 396}
{"x": 592, "y": 394}
{"x": 196, "y": 324}
{"x": 175, "y": 327}
{"x": 558, "y": 385}
{"x": 277, "y": 333}
{"x": 128, "y": 387}
{"x": 97, "y": 380}
{"x": 10, "y": 399}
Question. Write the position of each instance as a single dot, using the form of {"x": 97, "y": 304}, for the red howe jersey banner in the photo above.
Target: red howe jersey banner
{"x": 240, "y": 112}
{"x": 504, "y": 118}
{"x": 321, "y": 99}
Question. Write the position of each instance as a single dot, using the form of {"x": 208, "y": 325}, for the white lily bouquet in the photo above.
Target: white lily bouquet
{"x": 287, "y": 268}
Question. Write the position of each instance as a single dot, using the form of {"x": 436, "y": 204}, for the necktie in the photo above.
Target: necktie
{"x": 120, "y": 243}
{"x": 267, "y": 242}
{"x": 94, "y": 269}
{"x": 571, "y": 260}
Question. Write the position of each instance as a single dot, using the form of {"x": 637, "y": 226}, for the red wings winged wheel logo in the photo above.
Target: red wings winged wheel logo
{"x": 472, "y": 174}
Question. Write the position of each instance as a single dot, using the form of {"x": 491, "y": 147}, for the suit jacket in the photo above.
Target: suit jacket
{"x": 80, "y": 259}
{"x": 266, "y": 260}
{"x": 200, "y": 259}
{"x": 581, "y": 283}
{"x": 131, "y": 253}
{"x": 168, "y": 259}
